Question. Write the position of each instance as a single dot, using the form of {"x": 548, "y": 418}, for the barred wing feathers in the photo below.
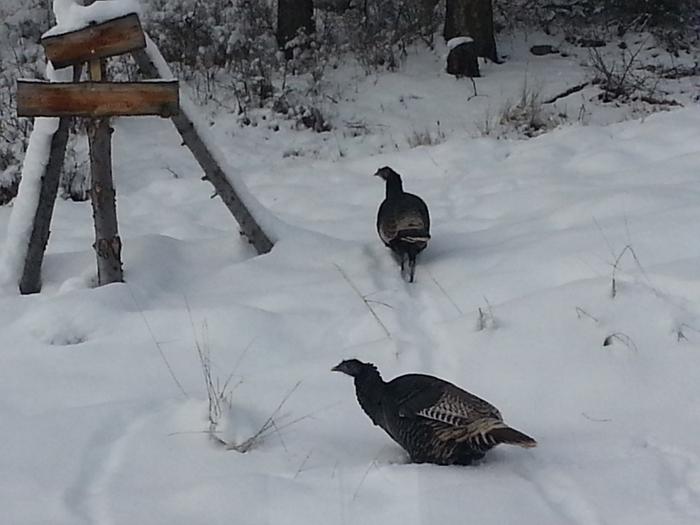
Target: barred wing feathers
{"x": 460, "y": 416}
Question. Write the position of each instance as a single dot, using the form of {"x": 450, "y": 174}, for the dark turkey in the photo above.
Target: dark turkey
{"x": 433, "y": 420}
{"x": 403, "y": 222}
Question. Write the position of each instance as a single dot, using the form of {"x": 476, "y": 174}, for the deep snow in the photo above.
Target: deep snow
{"x": 97, "y": 430}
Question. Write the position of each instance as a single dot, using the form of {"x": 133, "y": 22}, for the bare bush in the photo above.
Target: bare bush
{"x": 675, "y": 23}
{"x": 218, "y": 393}
{"x": 220, "y": 402}
{"x": 218, "y": 45}
{"x": 21, "y": 57}
{"x": 425, "y": 137}
{"x": 379, "y": 32}
{"x": 527, "y": 117}
{"x": 623, "y": 76}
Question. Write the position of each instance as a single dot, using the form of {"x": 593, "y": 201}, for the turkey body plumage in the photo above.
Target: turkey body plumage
{"x": 432, "y": 419}
{"x": 403, "y": 221}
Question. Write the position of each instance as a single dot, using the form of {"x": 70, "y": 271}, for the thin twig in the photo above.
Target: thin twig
{"x": 444, "y": 292}
{"x": 580, "y": 312}
{"x": 279, "y": 436}
{"x": 595, "y": 419}
{"x": 155, "y": 341}
{"x": 189, "y": 432}
{"x": 174, "y": 173}
{"x": 303, "y": 463}
{"x": 680, "y": 336}
{"x": 364, "y": 299}
{"x": 265, "y": 428}
{"x": 605, "y": 237}
{"x": 306, "y": 416}
{"x": 380, "y": 302}
{"x": 623, "y": 338}
{"x": 628, "y": 248}
{"x": 373, "y": 463}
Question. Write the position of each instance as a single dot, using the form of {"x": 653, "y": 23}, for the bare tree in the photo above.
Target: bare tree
{"x": 473, "y": 18}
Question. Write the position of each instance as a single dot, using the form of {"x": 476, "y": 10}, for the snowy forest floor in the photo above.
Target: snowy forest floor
{"x": 102, "y": 399}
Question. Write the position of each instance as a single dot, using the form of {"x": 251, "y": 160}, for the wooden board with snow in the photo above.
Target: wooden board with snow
{"x": 111, "y": 38}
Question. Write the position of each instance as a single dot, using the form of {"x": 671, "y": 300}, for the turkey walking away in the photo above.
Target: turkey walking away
{"x": 432, "y": 419}
{"x": 403, "y": 222}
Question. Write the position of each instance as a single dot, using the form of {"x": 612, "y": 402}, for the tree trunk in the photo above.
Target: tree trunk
{"x": 473, "y": 18}
{"x": 293, "y": 15}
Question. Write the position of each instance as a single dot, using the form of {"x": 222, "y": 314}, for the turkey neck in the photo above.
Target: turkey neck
{"x": 369, "y": 387}
{"x": 394, "y": 188}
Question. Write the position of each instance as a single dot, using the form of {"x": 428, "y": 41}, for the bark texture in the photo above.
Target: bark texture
{"x": 472, "y": 18}
{"x": 30, "y": 281}
{"x": 108, "y": 245}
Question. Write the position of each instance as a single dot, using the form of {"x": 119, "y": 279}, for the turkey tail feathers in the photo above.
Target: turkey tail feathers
{"x": 510, "y": 436}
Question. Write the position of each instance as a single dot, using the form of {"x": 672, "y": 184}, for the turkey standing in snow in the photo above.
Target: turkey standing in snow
{"x": 433, "y": 420}
{"x": 403, "y": 221}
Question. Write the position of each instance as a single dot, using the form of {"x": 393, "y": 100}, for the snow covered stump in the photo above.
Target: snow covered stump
{"x": 463, "y": 60}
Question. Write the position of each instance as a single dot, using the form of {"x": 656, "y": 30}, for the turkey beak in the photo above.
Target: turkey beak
{"x": 336, "y": 368}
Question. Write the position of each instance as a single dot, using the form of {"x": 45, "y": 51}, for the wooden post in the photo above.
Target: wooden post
{"x": 108, "y": 245}
{"x": 41, "y": 226}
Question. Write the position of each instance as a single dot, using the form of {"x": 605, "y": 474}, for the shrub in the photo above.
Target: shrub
{"x": 21, "y": 57}
{"x": 674, "y": 22}
{"x": 527, "y": 117}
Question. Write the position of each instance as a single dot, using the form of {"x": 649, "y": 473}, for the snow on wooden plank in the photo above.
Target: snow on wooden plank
{"x": 71, "y": 15}
{"x": 111, "y": 38}
{"x": 97, "y": 99}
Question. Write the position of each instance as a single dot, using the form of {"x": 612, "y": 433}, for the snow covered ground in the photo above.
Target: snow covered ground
{"x": 102, "y": 399}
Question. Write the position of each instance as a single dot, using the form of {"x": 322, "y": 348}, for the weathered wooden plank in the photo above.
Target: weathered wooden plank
{"x": 114, "y": 37}
{"x": 212, "y": 171}
{"x": 96, "y": 99}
